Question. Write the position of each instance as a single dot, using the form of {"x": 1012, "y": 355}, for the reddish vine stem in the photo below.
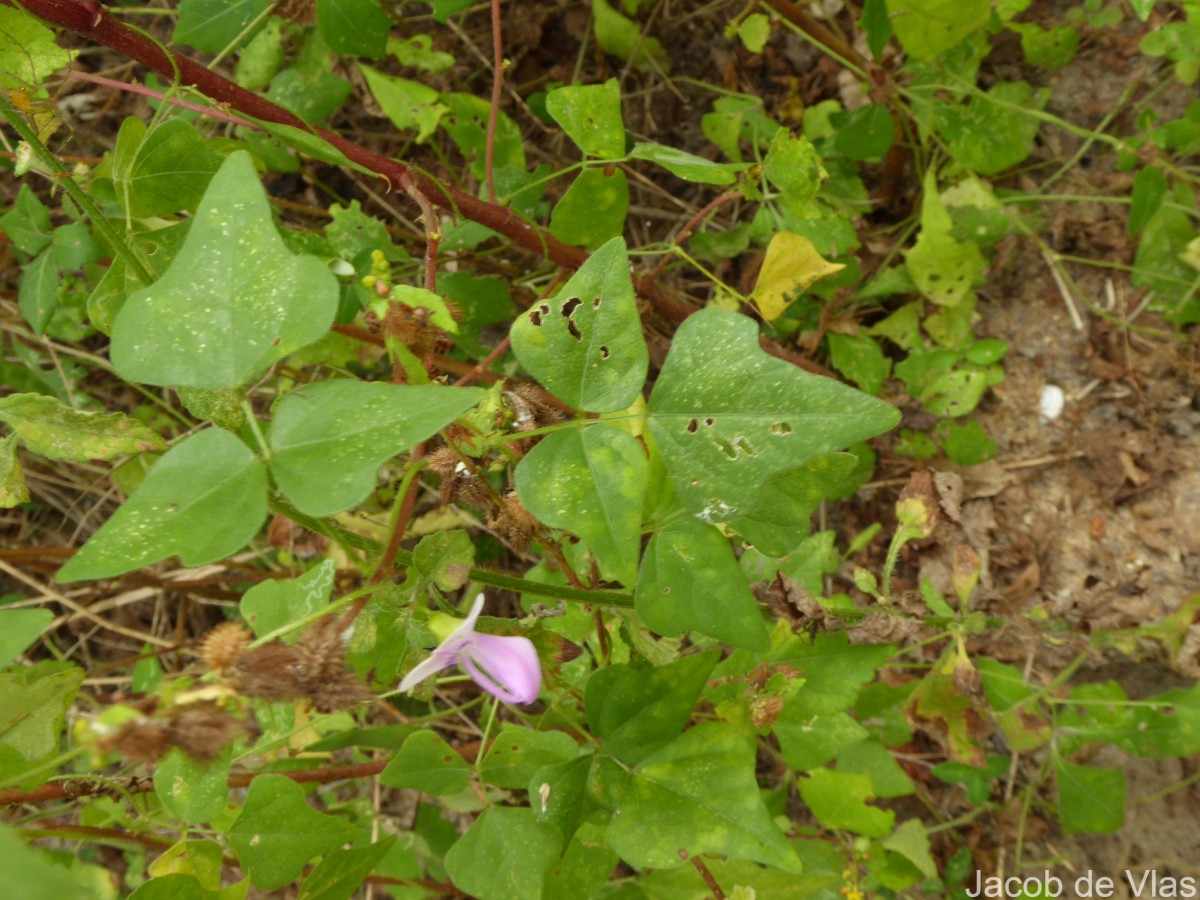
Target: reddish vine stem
{"x": 709, "y": 880}
{"x": 494, "y": 111}
{"x": 91, "y": 21}
{"x": 433, "y": 231}
{"x": 806, "y": 22}
{"x": 691, "y": 224}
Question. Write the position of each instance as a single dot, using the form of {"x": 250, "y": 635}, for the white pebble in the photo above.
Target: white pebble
{"x": 1051, "y": 404}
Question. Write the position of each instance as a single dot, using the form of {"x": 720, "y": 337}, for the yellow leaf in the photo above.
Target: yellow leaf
{"x": 792, "y": 264}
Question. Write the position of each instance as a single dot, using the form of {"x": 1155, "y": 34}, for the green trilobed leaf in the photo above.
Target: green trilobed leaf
{"x": 590, "y": 482}
{"x": 205, "y": 499}
{"x": 234, "y": 299}
{"x": 591, "y": 116}
{"x": 504, "y": 855}
{"x": 690, "y": 581}
{"x": 586, "y": 344}
{"x": 697, "y": 794}
{"x": 277, "y": 832}
{"x": 338, "y": 875}
{"x": 781, "y": 520}
{"x": 170, "y": 170}
{"x": 593, "y": 209}
{"x": 329, "y": 439}
{"x": 193, "y": 790}
{"x": 926, "y": 28}
{"x": 727, "y": 417}
{"x": 52, "y": 429}
{"x": 637, "y": 712}
{"x": 33, "y": 706}
{"x": 211, "y": 25}
{"x": 358, "y": 27}
{"x": 427, "y": 763}
{"x": 28, "y": 53}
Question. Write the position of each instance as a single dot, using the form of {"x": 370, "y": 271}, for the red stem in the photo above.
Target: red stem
{"x": 494, "y": 111}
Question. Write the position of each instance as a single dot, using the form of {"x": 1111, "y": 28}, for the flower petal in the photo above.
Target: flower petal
{"x": 446, "y": 653}
{"x": 505, "y": 667}
{"x": 435, "y": 663}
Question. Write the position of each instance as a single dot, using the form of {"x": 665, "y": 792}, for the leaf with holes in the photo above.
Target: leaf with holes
{"x": 943, "y": 268}
{"x": 202, "y": 501}
{"x": 590, "y": 482}
{"x": 591, "y": 116}
{"x": 329, "y": 439}
{"x": 697, "y": 794}
{"x": 690, "y": 581}
{"x": 233, "y": 301}
{"x": 277, "y": 832}
{"x": 586, "y": 345}
{"x": 427, "y": 763}
{"x": 727, "y": 417}
{"x": 54, "y": 430}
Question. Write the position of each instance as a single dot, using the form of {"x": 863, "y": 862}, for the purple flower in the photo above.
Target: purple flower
{"x": 505, "y": 667}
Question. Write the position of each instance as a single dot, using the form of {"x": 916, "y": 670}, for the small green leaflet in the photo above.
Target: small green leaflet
{"x": 427, "y": 763}
{"x": 277, "y": 832}
{"x": 18, "y": 629}
{"x": 1090, "y": 799}
{"x": 943, "y": 268}
{"x": 591, "y": 117}
{"x": 358, "y": 27}
{"x": 190, "y": 789}
{"x": 585, "y": 345}
{"x": 33, "y": 705}
{"x": 637, "y": 712}
{"x": 28, "y": 54}
{"x": 52, "y": 429}
{"x": 591, "y": 482}
{"x": 211, "y": 25}
{"x": 329, "y": 439}
{"x": 338, "y": 875}
{"x": 276, "y": 603}
{"x": 409, "y": 104}
{"x": 690, "y": 581}
{"x": 202, "y": 501}
{"x": 233, "y": 301}
{"x": 13, "y": 490}
{"x": 504, "y": 855}
{"x": 687, "y": 165}
{"x": 593, "y": 209}
{"x": 519, "y": 753}
{"x": 727, "y": 417}
{"x": 926, "y": 28}
{"x": 697, "y": 794}
{"x": 839, "y": 800}
{"x": 167, "y": 170}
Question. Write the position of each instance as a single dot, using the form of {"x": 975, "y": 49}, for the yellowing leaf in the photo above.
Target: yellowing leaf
{"x": 791, "y": 266}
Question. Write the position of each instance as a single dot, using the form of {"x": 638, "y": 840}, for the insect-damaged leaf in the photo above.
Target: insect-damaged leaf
{"x": 330, "y": 438}
{"x": 727, "y": 417}
{"x": 52, "y": 429}
{"x": 586, "y": 344}
{"x": 202, "y": 501}
{"x": 233, "y": 301}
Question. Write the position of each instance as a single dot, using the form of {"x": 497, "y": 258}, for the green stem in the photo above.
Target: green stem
{"x": 483, "y": 576}
{"x": 67, "y": 180}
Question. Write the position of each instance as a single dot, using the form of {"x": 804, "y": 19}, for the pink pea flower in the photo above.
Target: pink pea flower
{"x": 505, "y": 667}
